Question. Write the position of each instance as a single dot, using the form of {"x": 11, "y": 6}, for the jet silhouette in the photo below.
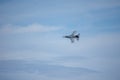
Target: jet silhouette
{"x": 73, "y": 36}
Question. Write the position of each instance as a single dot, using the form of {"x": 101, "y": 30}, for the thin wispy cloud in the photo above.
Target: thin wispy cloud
{"x": 26, "y": 29}
{"x": 42, "y": 68}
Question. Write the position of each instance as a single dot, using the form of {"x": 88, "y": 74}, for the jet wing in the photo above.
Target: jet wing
{"x": 73, "y": 33}
{"x": 72, "y": 40}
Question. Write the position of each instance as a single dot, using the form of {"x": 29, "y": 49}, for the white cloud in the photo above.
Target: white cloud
{"x": 25, "y": 29}
{"x": 100, "y": 52}
{"x": 45, "y": 49}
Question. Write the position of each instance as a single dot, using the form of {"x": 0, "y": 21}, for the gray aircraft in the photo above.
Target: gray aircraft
{"x": 73, "y": 36}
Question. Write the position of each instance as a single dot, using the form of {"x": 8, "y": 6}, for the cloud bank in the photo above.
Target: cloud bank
{"x": 34, "y": 68}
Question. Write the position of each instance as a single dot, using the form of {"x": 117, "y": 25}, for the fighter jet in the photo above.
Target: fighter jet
{"x": 73, "y": 36}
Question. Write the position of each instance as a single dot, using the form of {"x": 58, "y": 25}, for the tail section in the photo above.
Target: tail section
{"x": 78, "y": 36}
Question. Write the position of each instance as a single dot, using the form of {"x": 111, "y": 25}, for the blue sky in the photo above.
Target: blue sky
{"x": 32, "y": 47}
